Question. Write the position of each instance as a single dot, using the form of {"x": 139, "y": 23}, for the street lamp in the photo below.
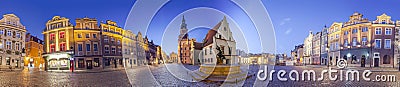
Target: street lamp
{"x": 327, "y": 55}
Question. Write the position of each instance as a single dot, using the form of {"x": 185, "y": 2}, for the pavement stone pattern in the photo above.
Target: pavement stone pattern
{"x": 27, "y": 78}
{"x": 160, "y": 76}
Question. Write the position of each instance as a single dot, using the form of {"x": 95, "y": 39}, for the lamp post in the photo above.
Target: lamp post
{"x": 327, "y": 55}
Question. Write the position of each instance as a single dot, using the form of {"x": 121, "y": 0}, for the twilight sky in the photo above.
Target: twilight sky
{"x": 292, "y": 19}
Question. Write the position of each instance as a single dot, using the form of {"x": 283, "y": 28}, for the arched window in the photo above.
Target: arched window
{"x": 386, "y": 59}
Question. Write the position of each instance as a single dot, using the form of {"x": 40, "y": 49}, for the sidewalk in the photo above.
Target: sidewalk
{"x": 89, "y": 71}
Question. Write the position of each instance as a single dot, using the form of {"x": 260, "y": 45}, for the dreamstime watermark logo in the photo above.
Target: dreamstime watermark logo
{"x": 333, "y": 75}
{"x": 341, "y": 63}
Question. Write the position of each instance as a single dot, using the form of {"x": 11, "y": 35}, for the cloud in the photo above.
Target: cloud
{"x": 288, "y": 31}
{"x": 284, "y": 21}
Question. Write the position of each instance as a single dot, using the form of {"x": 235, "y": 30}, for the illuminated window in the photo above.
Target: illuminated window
{"x": 81, "y": 63}
{"x": 52, "y": 48}
{"x": 62, "y": 46}
{"x": 52, "y": 36}
{"x": 62, "y": 34}
{"x": 96, "y": 62}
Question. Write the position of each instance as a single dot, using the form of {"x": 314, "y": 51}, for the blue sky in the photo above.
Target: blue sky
{"x": 292, "y": 19}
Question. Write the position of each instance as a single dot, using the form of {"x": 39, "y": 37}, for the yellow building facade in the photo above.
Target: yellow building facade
{"x": 34, "y": 50}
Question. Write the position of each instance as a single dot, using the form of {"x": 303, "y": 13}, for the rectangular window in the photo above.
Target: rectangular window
{"x": 94, "y": 35}
{"x": 105, "y": 39}
{"x": 388, "y": 31}
{"x": 387, "y": 43}
{"x": 87, "y": 35}
{"x": 52, "y": 48}
{"x": 377, "y": 43}
{"x": 354, "y": 41}
{"x": 336, "y": 45}
{"x": 364, "y": 41}
{"x": 95, "y": 47}
{"x": 8, "y": 61}
{"x": 87, "y": 47}
{"x": 18, "y": 35}
{"x": 354, "y": 31}
{"x": 112, "y": 39}
{"x": 113, "y": 50}
{"x": 118, "y": 42}
{"x": 17, "y": 46}
{"x": 9, "y": 33}
{"x": 62, "y": 47}
{"x": 345, "y": 43}
{"x": 337, "y": 35}
{"x": 1, "y": 32}
{"x": 80, "y": 47}
{"x": 364, "y": 29}
{"x": 81, "y": 63}
{"x": 52, "y": 36}
{"x": 106, "y": 50}
{"x": 8, "y": 45}
{"x": 96, "y": 62}
{"x": 79, "y": 35}
{"x": 62, "y": 34}
{"x": 346, "y": 32}
{"x": 378, "y": 31}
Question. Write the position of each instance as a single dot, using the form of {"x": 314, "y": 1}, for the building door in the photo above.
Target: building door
{"x": 376, "y": 62}
{"x": 89, "y": 64}
{"x": 363, "y": 61}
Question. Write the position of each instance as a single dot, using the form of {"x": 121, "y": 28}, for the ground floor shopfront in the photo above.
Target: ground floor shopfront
{"x": 11, "y": 61}
{"x": 64, "y": 61}
{"x": 357, "y": 57}
{"x": 61, "y": 61}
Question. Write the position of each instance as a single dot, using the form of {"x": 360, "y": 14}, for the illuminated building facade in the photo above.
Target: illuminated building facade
{"x": 59, "y": 40}
{"x": 308, "y": 49}
{"x": 87, "y": 41}
{"x": 141, "y": 47}
{"x": 112, "y": 44}
{"x": 368, "y": 43}
{"x": 34, "y": 50}
{"x": 129, "y": 52}
{"x": 12, "y": 36}
{"x": 334, "y": 43}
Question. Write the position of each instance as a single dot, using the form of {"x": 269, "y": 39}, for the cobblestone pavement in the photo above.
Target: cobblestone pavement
{"x": 176, "y": 75}
{"x": 27, "y": 78}
{"x": 326, "y": 82}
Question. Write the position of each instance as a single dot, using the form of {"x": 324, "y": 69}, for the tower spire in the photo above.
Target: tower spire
{"x": 183, "y": 24}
